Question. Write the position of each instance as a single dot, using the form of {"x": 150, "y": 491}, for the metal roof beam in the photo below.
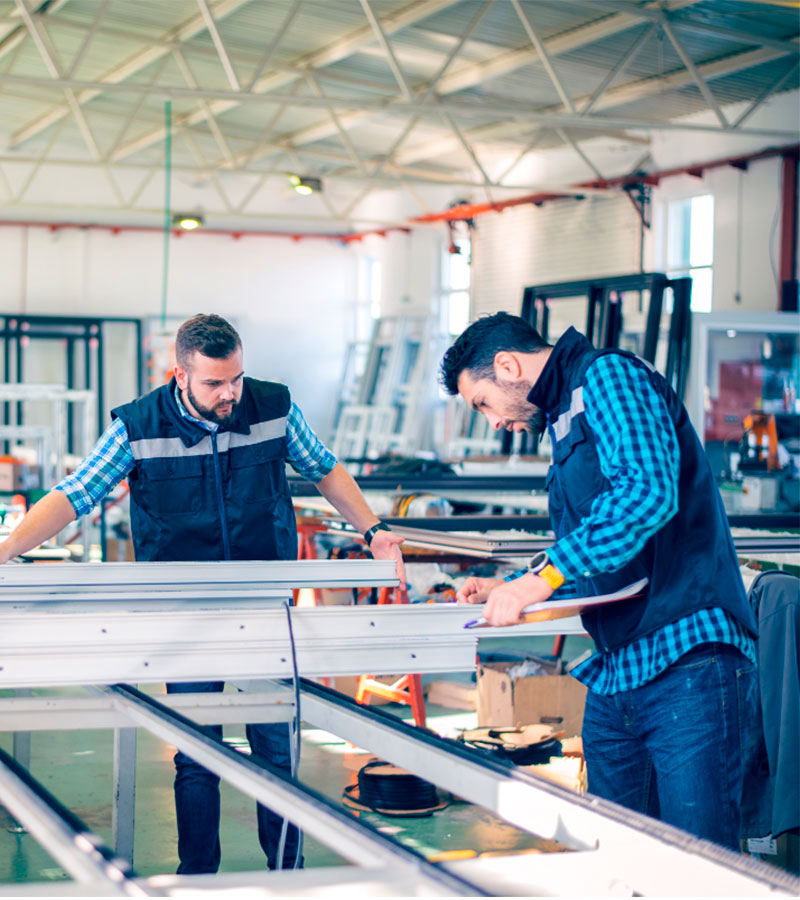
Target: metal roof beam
{"x": 88, "y": 37}
{"x": 224, "y": 57}
{"x": 616, "y": 96}
{"x": 698, "y": 79}
{"x": 334, "y": 52}
{"x": 544, "y": 56}
{"x": 127, "y": 69}
{"x": 294, "y": 9}
{"x": 685, "y": 21}
{"x": 771, "y": 89}
{"x": 391, "y": 59}
{"x": 618, "y": 70}
{"x": 471, "y": 74}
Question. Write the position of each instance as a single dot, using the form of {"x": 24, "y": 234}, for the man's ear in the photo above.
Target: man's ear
{"x": 181, "y": 376}
{"x": 507, "y": 366}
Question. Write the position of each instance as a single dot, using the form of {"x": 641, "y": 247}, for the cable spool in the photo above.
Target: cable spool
{"x": 391, "y": 791}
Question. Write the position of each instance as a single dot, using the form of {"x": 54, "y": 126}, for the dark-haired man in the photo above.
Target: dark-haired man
{"x": 205, "y": 460}
{"x": 631, "y": 495}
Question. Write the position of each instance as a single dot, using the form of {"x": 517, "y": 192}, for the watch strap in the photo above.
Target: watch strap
{"x": 540, "y": 565}
{"x": 370, "y": 533}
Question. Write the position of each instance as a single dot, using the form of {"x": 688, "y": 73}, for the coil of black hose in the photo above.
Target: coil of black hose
{"x": 394, "y": 791}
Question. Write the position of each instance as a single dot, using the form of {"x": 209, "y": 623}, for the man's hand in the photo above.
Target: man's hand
{"x": 386, "y": 545}
{"x": 506, "y": 601}
{"x": 477, "y": 590}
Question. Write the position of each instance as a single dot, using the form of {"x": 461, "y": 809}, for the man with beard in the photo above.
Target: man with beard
{"x": 672, "y": 685}
{"x": 205, "y": 460}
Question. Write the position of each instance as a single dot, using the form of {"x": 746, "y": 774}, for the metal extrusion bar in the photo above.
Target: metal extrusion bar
{"x": 64, "y": 836}
{"x": 62, "y": 578}
{"x": 653, "y": 858}
{"x": 309, "y": 810}
{"x": 431, "y": 483}
{"x": 26, "y": 714}
{"x": 503, "y": 545}
{"x": 61, "y": 643}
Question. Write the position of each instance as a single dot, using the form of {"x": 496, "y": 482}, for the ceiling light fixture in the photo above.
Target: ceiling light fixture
{"x": 305, "y": 184}
{"x": 187, "y": 221}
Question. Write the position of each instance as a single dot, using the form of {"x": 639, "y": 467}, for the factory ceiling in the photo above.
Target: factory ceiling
{"x": 434, "y": 100}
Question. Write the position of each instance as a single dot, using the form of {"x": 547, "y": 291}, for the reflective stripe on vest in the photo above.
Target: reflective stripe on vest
{"x": 150, "y": 448}
{"x": 564, "y": 422}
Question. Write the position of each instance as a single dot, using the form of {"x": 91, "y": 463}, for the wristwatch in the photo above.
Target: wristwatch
{"x": 540, "y": 565}
{"x": 369, "y": 534}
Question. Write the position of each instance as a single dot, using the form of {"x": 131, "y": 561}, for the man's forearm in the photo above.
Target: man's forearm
{"x": 340, "y": 488}
{"x": 44, "y": 519}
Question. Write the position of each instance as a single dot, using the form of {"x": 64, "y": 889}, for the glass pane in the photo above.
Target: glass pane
{"x": 701, "y": 240}
{"x": 679, "y": 216}
{"x": 749, "y": 372}
{"x": 456, "y": 266}
{"x": 458, "y": 311}
{"x": 701, "y": 289}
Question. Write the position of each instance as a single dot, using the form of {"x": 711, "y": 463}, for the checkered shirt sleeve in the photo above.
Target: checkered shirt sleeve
{"x": 638, "y": 452}
{"x": 103, "y": 469}
{"x": 308, "y": 456}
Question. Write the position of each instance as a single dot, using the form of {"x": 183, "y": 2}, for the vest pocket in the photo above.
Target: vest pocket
{"x": 170, "y": 486}
{"x": 257, "y": 472}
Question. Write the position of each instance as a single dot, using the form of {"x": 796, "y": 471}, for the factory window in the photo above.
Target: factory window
{"x": 455, "y": 283}
{"x": 690, "y": 246}
{"x": 368, "y": 301}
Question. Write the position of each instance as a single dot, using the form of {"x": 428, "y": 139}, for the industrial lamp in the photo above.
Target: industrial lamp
{"x": 305, "y": 184}
{"x": 187, "y": 221}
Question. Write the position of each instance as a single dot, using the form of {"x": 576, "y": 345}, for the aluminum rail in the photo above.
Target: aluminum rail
{"x": 352, "y": 838}
{"x": 59, "y": 713}
{"x": 506, "y": 522}
{"x": 648, "y": 856}
{"x": 63, "y": 835}
{"x": 430, "y": 484}
{"x": 224, "y": 577}
{"x": 54, "y": 643}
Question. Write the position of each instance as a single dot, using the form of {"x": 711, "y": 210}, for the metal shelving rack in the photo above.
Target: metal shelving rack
{"x": 67, "y": 406}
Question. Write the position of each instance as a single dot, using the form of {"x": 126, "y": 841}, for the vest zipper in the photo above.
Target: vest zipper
{"x": 226, "y": 546}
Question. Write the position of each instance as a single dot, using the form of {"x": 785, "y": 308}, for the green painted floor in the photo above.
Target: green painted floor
{"x": 76, "y": 766}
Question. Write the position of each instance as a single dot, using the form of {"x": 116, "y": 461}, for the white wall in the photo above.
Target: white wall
{"x": 565, "y": 240}
{"x": 291, "y": 301}
{"x": 409, "y": 269}
{"x": 561, "y": 241}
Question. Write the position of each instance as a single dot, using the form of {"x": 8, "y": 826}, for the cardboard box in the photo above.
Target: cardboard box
{"x": 452, "y": 694}
{"x": 17, "y": 476}
{"x": 530, "y": 700}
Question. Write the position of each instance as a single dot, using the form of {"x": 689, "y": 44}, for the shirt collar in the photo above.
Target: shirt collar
{"x": 203, "y": 423}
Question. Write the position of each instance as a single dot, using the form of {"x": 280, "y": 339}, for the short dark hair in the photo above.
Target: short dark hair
{"x": 209, "y": 335}
{"x": 476, "y": 347}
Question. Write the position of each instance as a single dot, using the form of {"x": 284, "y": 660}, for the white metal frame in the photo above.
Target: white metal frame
{"x": 614, "y": 846}
{"x": 778, "y": 322}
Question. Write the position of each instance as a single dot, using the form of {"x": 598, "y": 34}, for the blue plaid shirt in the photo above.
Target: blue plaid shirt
{"x": 638, "y": 453}
{"x": 111, "y": 459}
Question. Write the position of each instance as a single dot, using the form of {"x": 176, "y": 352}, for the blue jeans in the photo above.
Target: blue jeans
{"x": 197, "y": 796}
{"x": 677, "y": 747}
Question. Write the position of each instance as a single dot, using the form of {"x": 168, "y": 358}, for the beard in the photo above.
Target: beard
{"x": 520, "y": 409}
{"x": 210, "y": 414}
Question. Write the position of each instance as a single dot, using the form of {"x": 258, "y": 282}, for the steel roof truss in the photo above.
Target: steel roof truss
{"x": 224, "y": 58}
{"x": 696, "y": 76}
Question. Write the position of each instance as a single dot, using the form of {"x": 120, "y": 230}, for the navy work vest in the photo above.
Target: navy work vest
{"x": 198, "y": 495}
{"x": 690, "y": 561}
